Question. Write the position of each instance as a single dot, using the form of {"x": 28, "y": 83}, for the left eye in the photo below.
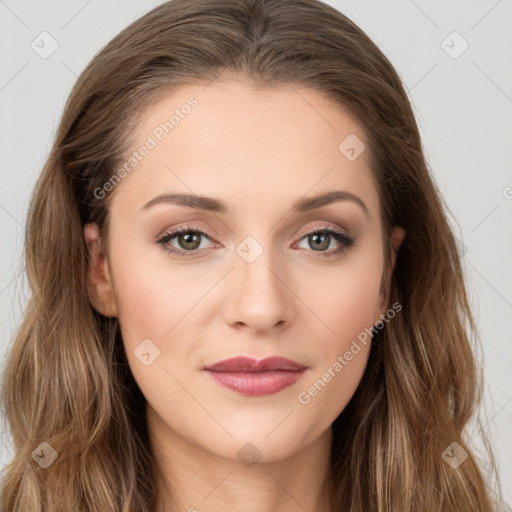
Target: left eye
{"x": 321, "y": 239}
{"x": 188, "y": 238}
{"x": 190, "y": 241}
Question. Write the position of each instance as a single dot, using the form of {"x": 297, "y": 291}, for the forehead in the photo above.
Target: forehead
{"x": 255, "y": 147}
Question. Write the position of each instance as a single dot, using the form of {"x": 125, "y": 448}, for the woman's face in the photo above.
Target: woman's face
{"x": 255, "y": 282}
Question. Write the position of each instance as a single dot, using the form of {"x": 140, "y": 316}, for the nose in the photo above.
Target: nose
{"x": 258, "y": 296}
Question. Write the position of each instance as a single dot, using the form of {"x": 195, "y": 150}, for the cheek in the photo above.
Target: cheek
{"x": 348, "y": 303}
{"x": 152, "y": 295}
{"x": 144, "y": 304}
{"x": 346, "y": 299}
{"x": 153, "y": 300}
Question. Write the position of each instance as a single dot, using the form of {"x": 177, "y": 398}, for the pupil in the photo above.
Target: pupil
{"x": 188, "y": 238}
{"x": 319, "y": 236}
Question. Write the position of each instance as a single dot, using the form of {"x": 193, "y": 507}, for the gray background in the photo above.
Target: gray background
{"x": 463, "y": 104}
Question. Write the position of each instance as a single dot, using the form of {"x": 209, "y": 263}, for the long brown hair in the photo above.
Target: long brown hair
{"x": 67, "y": 381}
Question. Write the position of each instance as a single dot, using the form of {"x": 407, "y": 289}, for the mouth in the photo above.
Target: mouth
{"x": 256, "y": 378}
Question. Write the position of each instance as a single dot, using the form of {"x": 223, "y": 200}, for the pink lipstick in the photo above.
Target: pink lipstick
{"x": 256, "y": 378}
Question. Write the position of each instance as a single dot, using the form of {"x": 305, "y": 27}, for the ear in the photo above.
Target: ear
{"x": 99, "y": 283}
{"x": 397, "y": 237}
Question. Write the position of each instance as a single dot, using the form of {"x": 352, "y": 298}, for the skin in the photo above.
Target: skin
{"x": 258, "y": 151}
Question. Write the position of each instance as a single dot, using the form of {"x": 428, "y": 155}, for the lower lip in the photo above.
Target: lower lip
{"x": 257, "y": 384}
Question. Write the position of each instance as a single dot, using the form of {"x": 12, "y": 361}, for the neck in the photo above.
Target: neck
{"x": 193, "y": 479}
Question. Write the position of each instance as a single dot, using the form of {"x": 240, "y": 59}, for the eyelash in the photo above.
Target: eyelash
{"x": 344, "y": 239}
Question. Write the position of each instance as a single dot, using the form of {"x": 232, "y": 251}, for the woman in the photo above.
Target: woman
{"x": 245, "y": 291}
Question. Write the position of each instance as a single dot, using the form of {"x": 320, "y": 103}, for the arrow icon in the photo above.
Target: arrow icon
{"x": 146, "y": 352}
{"x": 450, "y": 455}
{"x": 44, "y": 44}
{"x": 44, "y": 455}
{"x": 249, "y": 253}
{"x": 454, "y": 455}
{"x": 351, "y": 147}
{"x": 454, "y": 45}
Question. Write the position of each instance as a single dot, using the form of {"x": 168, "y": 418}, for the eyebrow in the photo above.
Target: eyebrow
{"x": 216, "y": 205}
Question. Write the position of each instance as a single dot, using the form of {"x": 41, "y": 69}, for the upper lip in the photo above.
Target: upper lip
{"x": 250, "y": 365}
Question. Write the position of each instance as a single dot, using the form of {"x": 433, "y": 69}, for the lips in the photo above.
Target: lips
{"x": 249, "y": 365}
{"x": 256, "y": 378}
